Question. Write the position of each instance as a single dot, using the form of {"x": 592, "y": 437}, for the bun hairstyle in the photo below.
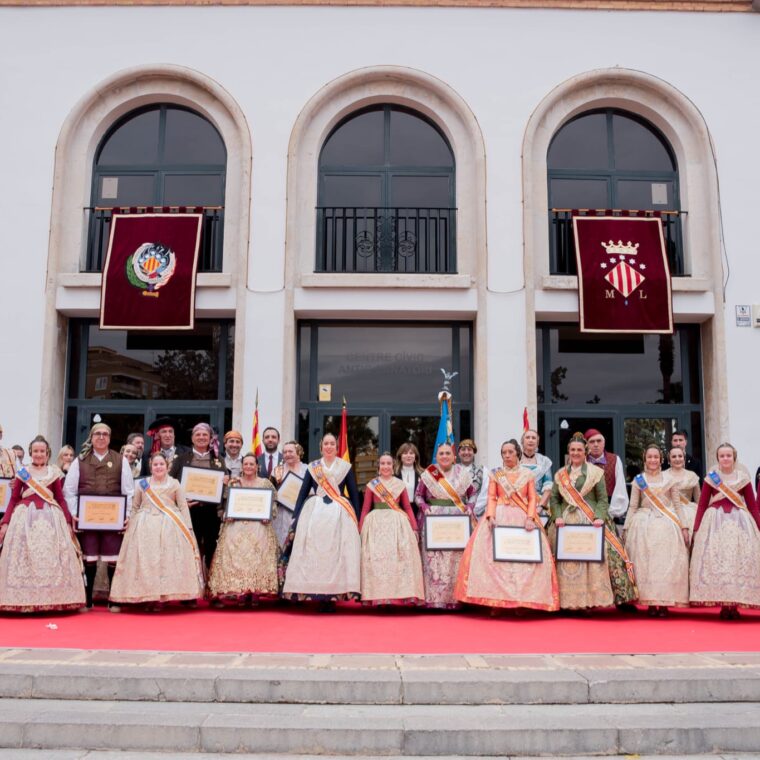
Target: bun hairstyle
{"x": 40, "y": 439}
{"x": 513, "y": 442}
{"x": 656, "y": 447}
{"x": 727, "y": 445}
{"x": 577, "y": 438}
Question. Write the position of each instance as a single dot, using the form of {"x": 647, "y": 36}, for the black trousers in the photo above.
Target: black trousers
{"x": 206, "y": 524}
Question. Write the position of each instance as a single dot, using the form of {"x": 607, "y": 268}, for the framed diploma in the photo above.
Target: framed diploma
{"x": 515, "y": 544}
{"x": 202, "y": 484}
{"x": 446, "y": 532}
{"x": 249, "y": 504}
{"x": 580, "y": 543}
{"x": 6, "y": 486}
{"x": 101, "y": 512}
{"x": 287, "y": 494}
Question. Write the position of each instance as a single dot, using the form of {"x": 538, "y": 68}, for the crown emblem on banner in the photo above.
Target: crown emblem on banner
{"x": 621, "y": 248}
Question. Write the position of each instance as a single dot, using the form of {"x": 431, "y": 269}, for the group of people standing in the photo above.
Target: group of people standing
{"x": 683, "y": 541}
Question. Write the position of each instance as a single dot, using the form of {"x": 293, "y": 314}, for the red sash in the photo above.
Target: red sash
{"x": 440, "y": 478}
{"x": 609, "y": 536}
{"x": 382, "y": 491}
{"x": 324, "y": 482}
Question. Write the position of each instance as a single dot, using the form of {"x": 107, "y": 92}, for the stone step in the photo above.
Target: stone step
{"x": 84, "y": 754}
{"x": 393, "y": 686}
{"x": 404, "y": 730}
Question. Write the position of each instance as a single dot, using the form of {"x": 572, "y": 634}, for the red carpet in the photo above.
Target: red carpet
{"x": 354, "y": 629}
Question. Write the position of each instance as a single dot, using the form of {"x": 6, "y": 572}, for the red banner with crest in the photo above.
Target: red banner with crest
{"x": 149, "y": 274}
{"x": 623, "y": 275}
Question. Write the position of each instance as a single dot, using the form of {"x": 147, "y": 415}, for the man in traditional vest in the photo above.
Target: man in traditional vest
{"x": 614, "y": 477}
{"x": 100, "y": 471}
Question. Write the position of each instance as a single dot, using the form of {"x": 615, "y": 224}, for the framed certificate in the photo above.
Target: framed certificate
{"x": 249, "y": 504}
{"x": 6, "y": 486}
{"x": 101, "y": 512}
{"x": 202, "y": 484}
{"x": 446, "y": 532}
{"x": 515, "y": 544}
{"x": 287, "y": 494}
{"x": 580, "y": 543}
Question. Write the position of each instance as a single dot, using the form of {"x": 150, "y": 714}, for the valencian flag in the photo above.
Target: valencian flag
{"x": 256, "y": 446}
{"x": 623, "y": 275}
{"x": 343, "y": 440}
{"x": 149, "y": 274}
{"x": 445, "y": 430}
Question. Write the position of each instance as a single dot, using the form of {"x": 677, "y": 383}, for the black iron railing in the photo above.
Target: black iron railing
{"x": 414, "y": 240}
{"x": 562, "y": 240}
{"x": 99, "y": 229}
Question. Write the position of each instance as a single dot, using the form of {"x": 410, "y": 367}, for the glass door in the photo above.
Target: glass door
{"x": 363, "y": 440}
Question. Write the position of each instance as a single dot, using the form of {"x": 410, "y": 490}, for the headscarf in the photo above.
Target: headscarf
{"x": 214, "y": 444}
{"x": 87, "y": 445}
{"x": 233, "y": 434}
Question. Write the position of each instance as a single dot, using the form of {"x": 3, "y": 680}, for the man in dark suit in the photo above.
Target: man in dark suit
{"x": 271, "y": 456}
{"x": 680, "y": 439}
{"x": 163, "y": 440}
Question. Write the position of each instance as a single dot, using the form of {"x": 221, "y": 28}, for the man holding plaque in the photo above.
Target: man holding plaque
{"x": 202, "y": 498}
{"x": 99, "y": 471}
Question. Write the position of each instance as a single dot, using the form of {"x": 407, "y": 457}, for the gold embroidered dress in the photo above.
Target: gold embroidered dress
{"x": 322, "y": 556}
{"x": 441, "y": 568}
{"x": 655, "y": 544}
{"x": 245, "y": 561}
{"x": 483, "y": 580}
{"x": 40, "y": 563}
{"x": 391, "y": 564}
{"x": 725, "y": 559}
{"x": 157, "y": 563}
{"x": 581, "y": 584}
{"x": 687, "y": 488}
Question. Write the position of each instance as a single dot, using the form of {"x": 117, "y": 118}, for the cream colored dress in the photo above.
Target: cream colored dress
{"x": 687, "y": 486}
{"x": 656, "y": 545}
{"x": 157, "y": 563}
{"x": 245, "y": 560}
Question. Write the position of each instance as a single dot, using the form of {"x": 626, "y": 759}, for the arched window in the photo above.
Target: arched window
{"x": 162, "y": 155}
{"x": 386, "y": 197}
{"x": 611, "y": 161}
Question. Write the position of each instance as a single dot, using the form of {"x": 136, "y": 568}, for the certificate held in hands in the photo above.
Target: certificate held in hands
{"x": 249, "y": 504}
{"x": 101, "y": 512}
{"x": 446, "y": 532}
{"x": 580, "y": 543}
{"x": 287, "y": 493}
{"x": 202, "y": 484}
{"x": 515, "y": 544}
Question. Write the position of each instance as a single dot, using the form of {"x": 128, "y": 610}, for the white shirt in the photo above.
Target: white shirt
{"x": 619, "y": 497}
{"x": 71, "y": 484}
{"x": 408, "y": 475}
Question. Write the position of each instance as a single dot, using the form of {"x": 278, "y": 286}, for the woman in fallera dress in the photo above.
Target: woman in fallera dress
{"x": 725, "y": 560}
{"x": 40, "y": 563}
{"x": 391, "y": 565}
{"x": 321, "y": 560}
{"x": 686, "y": 483}
{"x": 445, "y": 488}
{"x": 292, "y": 453}
{"x": 582, "y": 585}
{"x": 244, "y": 567}
{"x": 512, "y": 501}
{"x": 159, "y": 559}
{"x": 656, "y": 540}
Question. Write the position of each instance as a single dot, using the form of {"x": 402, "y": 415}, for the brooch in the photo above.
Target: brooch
{"x": 109, "y": 465}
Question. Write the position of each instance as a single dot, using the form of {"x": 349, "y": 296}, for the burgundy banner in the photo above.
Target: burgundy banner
{"x": 623, "y": 275}
{"x": 149, "y": 274}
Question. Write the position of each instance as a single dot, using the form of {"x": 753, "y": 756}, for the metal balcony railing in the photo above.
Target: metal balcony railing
{"x": 99, "y": 229}
{"x": 562, "y": 240}
{"x": 413, "y": 240}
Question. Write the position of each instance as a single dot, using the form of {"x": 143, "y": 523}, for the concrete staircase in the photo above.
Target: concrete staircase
{"x": 86, "y": 703}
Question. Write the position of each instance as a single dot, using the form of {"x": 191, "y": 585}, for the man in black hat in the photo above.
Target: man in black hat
{"x": 163, "y": 437}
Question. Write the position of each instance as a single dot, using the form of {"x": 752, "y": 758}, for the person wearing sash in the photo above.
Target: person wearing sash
{"x": 725, "y": 559}
{"x": 540, "y": 466}
{"x": 408, "y": 468}
{"x": 159, "y": 560}
{"x": 244, "y": 568}
{"x": 579, "y": 497}
{"x": 512, "y": 501}
{"x": 292, "y": 454}
{"x": 687, "y": 487}
{"x": 40, "y": 563}
{"x": 656, "y": 540}
{"x": 321, "y": 560}
{"x": 391, "y": 565}
{"x": 445, "y": 488}
{"x": 99, "y": 471}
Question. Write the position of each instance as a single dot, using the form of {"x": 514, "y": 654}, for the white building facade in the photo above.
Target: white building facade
{"x": 444, "y": 128}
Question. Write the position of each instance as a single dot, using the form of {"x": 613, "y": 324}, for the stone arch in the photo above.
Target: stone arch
{"x": 683, "y": 125}
{"x": 80, "y": 135}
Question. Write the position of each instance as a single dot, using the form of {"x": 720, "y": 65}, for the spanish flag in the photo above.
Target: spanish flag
{"x": 256, "y": 446}
{"x": 343, "y": 440}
